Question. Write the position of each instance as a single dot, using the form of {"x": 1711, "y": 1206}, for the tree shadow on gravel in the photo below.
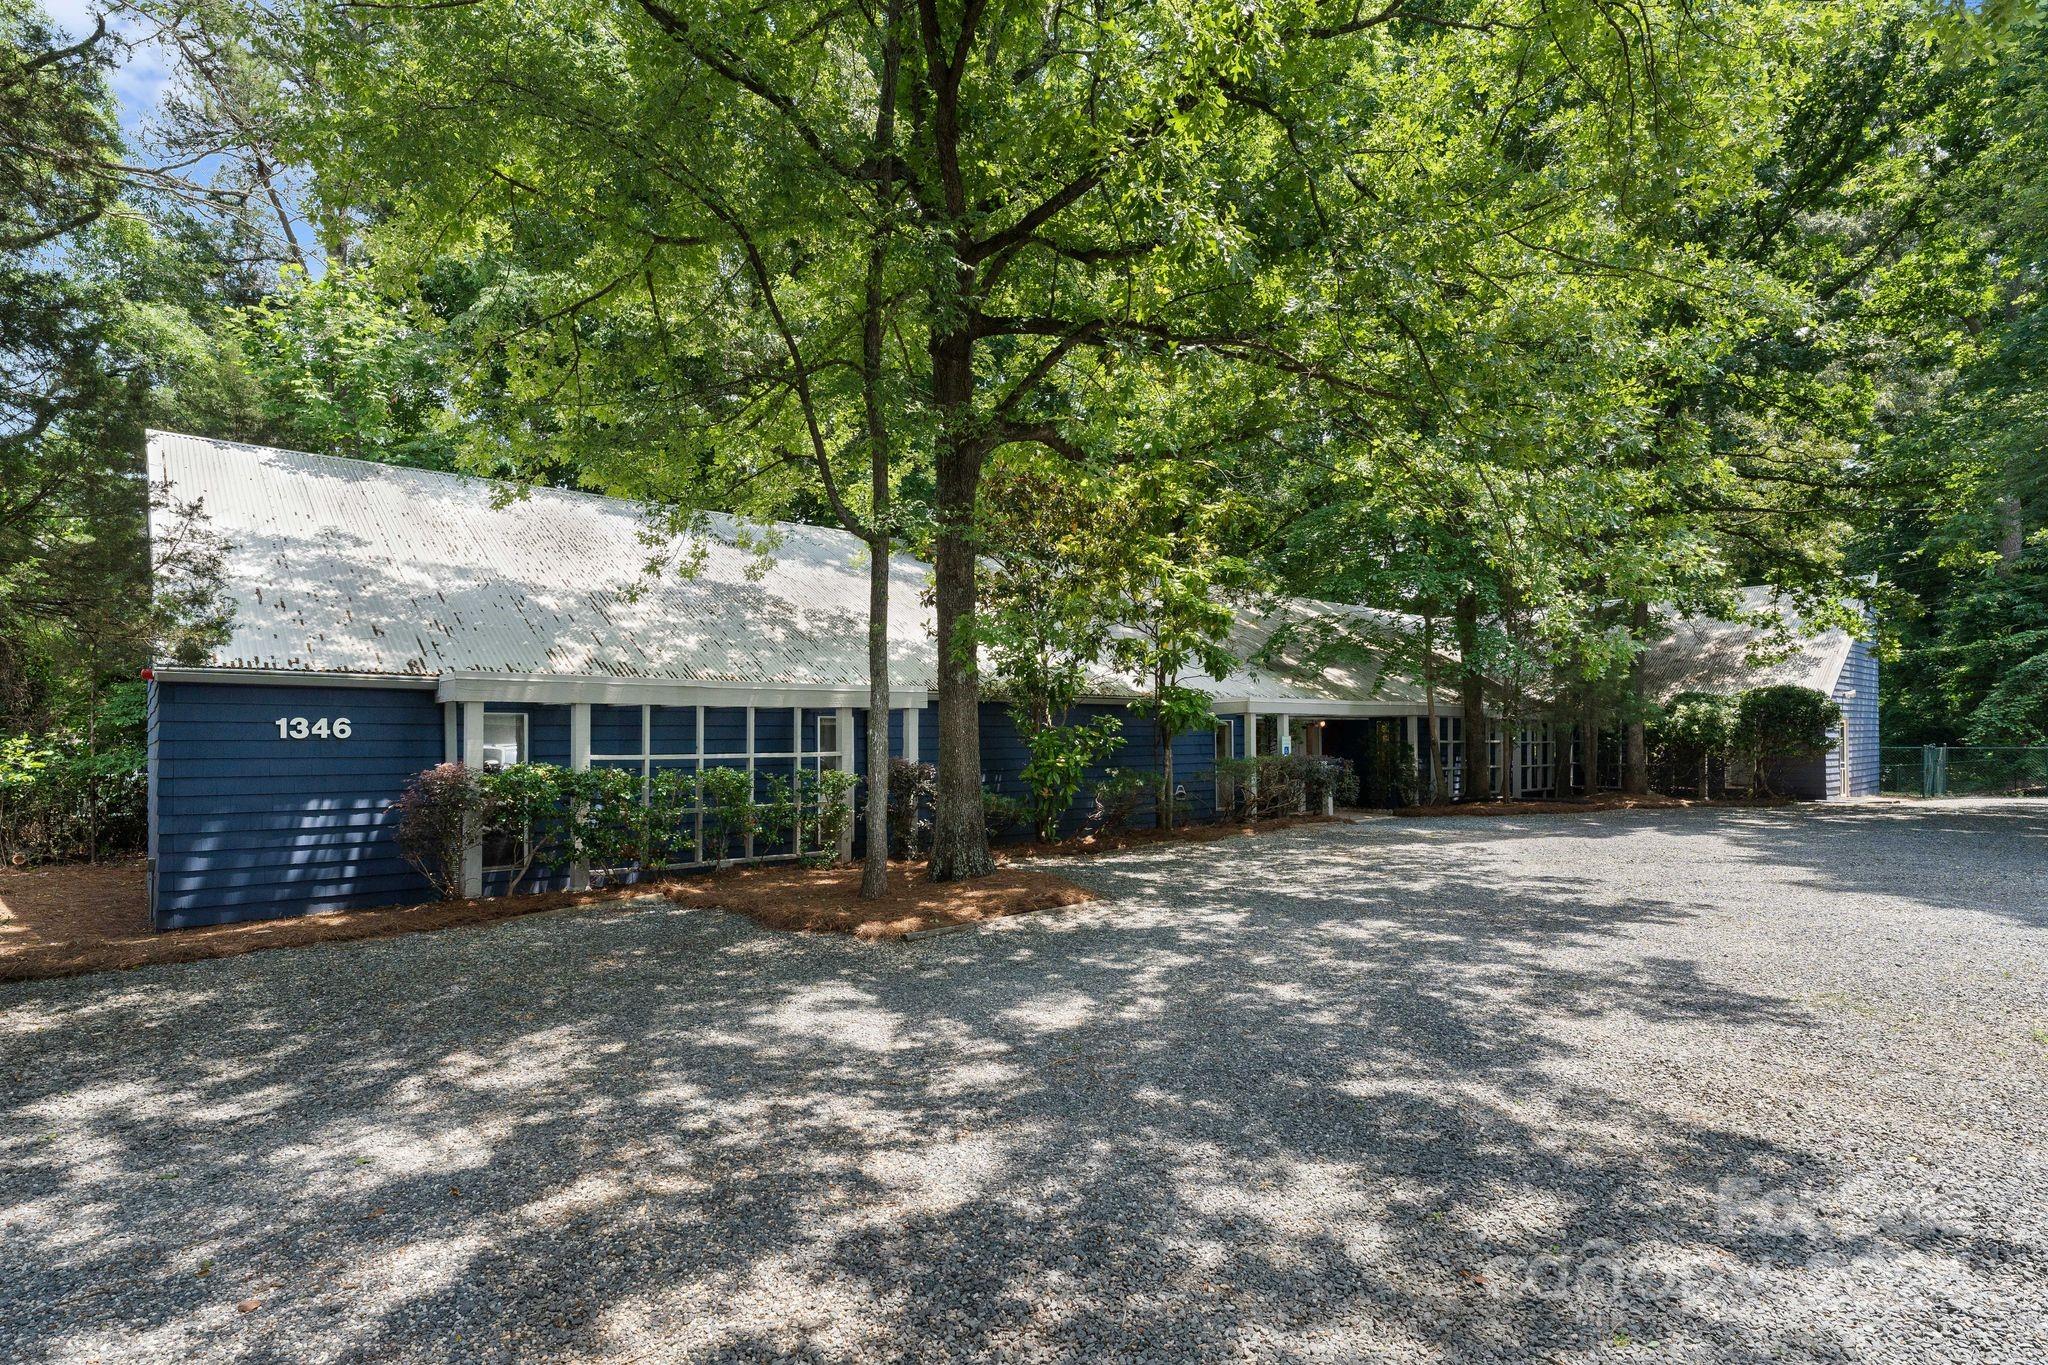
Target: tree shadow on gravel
{"x": 1962, "y": 855}
{"x": 1336, "y": 1098}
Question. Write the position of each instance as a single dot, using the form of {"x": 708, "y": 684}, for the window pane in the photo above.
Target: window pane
{"x": 504, "y": 738}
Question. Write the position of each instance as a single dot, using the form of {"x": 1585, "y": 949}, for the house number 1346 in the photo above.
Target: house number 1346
{"x": 298, "y": 727}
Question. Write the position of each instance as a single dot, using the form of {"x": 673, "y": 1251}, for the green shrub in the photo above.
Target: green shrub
{"x": 777, "y": 814}
{"x": 827, "y": 801}
{"x": 1325, "y": 781}
{"x": 1002, "y": 814}
{"x": 1061, "y": 756}
{"x": 61, "y": 801}
{"x": 1784, "y": 724}
{"x": 1694, "y": 731}
{"x": 1267, "y": 786}
{"x": 664, "y": 830}
{"x": 1288, "y": 784}
{"x": 729, "y": 811}
{"x": 912, "y": 787}
{"x": 1118, "y": 794}
{"x": 536, "y": 803}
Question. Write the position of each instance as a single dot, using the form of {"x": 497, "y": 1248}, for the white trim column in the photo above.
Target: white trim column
{"x": 910, "y": 736}
{"x": 473, "y": 758}
{"x": 844, "y": 725}
{"x": 579, "y": 762}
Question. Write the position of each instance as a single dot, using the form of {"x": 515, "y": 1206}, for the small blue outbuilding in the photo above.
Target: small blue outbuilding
{"x": 385, "y": 619}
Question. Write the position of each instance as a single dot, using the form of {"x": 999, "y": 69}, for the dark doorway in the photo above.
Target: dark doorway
{"x": 1378, "y": 751}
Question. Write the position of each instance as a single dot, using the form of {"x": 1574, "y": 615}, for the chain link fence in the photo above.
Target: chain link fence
{"x": 1964, "y": 770}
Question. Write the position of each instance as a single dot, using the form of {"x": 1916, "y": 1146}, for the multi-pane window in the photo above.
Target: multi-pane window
{"x": 1536, "y": 756}
{"x": 504, "y": 738}
{"x": 767, "y": 743}
{"x": 1450, "y": 754}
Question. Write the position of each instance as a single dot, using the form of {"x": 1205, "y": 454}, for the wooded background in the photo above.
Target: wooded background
{"x": 1520, "y": 316}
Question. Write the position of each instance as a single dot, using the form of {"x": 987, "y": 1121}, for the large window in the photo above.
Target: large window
{"x": 766, "y": 742}
{"x": 1450, "y": 755}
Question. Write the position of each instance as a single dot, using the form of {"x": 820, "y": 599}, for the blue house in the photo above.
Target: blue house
{"x": 386, "y": 620}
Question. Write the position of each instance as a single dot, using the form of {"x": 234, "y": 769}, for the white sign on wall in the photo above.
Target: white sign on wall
{"x": 299, "y": 727}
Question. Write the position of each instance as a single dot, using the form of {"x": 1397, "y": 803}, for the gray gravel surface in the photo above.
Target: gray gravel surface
{"x": 1717, "y": 1085}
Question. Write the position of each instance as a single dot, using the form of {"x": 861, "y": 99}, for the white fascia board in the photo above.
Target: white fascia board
{"x": 289, "y": 677}
{"x": 1304, "y": 706}
{"x": 556, "y": 690}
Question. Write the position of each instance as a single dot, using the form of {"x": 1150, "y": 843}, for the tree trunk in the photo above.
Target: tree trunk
{"x": 1478, "y": 782}
{"x": 2012, "y": 535}
{"x": 874, "y": 872}
{"x": 1635, "y": 778}
{"x": 1435, "y": 757}
{"x": 1162, "y": 754}
{"x": 960, "y": 830}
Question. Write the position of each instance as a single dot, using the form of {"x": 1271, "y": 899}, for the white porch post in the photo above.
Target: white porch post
{"x": 473, "y": 757}
{"x": 844, "y": 724}
{"x": 579, "y": 762}
{"x": 910, "y": 736}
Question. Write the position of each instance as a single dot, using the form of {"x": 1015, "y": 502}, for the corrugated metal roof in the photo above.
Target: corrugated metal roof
{"x": 348, "y": 566}
{"x": 1704, "y": 654}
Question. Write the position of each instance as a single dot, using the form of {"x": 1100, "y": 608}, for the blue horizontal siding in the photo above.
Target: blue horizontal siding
{"x": 1856, "y": 693}
{"x": 251, "y": 826}
{"x": 675, "y": 729}
{"x": 1004, "y": 756}
{"x": 245, "y": 825}
{"x": 616, "y": 729}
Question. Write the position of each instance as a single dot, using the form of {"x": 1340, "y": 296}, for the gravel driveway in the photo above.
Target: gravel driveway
{"x": 1735, "y": 1085}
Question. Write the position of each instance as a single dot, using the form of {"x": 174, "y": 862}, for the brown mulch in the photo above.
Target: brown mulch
{"x": 1580, "y": 805}
{"x": 828, "y": 900}
{"x": 77, "y": 918}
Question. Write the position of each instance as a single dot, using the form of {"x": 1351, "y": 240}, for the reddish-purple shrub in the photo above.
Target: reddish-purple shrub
{"x": 436, "y": 819}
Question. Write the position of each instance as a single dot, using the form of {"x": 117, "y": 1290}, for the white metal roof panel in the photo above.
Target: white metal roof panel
{"x": 347, "y": 566}
{"x": 1705, "y": 654}
{"x": 344, "y": 566}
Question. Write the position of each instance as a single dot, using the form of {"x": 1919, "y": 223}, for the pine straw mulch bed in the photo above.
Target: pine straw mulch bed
{"x": 73, "y": 919}
{"x": 1573, "y": 805}
{"x": 78, "y": 918}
